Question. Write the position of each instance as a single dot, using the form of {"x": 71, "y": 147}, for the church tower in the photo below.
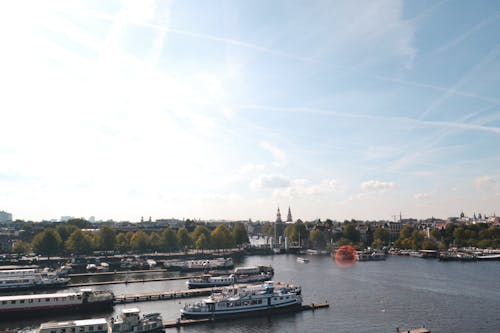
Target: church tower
{"x": 279, "y": 227}
{"x": 289, "y": 216}
{"x": 278, "y": 216}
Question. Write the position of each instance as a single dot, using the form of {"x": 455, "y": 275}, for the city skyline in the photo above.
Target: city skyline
{"x": 184, "y": 109}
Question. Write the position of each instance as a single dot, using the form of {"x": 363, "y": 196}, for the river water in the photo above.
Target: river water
{"x": 404, "y": 292}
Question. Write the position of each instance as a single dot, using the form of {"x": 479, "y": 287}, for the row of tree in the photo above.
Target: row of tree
{"x": 70, "y": 239}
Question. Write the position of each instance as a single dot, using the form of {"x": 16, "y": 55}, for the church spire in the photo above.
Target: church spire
{"x": 289, "y": 216}
{"x": 278, "y": 216}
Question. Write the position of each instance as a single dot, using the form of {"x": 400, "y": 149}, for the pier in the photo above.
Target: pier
{"x": 103, "y": 283}
{"x": 189, "y": 322}
{"x": 164, "y": 295}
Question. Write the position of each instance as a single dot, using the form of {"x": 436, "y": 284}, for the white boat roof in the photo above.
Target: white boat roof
{"x": 82, "y": 322}
{"x": 131, "y": 310}
{"x": 36, "y": 296}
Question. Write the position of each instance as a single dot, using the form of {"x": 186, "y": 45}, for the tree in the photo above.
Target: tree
{"x": 382, "y": 235}
{"x": 122, "y": 243}
{"x": 139, "y": 241}
{"x": 155, "y": 241}
{"x": 65, "y": 230}
{"x": 429, "y": 244}
{"x": 47, "y": 242}
{"x": 240, "y": 235}
{"x": 200, "y": 229}
{"x": 317, "y": 238}
{"x": 202, "y": 242}
{"x": 297, "y": 232}
{"x": 106, "y": 239}
{"x": 183, "y": 238}
{"x": 21, "y": 247}
{"x": 79, "y": 242}
{"x": 268, "y": 229}
{"x": 350, "y": 232}
{"x": 169, "y": 240}
{"x": 221, "y": 237}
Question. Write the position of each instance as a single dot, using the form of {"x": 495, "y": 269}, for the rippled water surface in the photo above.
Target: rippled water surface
{"x": 402, "y": 292}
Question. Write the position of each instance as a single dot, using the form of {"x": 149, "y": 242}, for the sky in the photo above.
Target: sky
{"x": 230, "y": 109}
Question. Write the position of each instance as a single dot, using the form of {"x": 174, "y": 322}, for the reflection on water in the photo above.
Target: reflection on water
{"x": 367, "y": 297}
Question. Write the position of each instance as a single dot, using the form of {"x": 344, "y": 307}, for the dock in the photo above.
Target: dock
{"x": 103, "y": 283}
{"x": 176, "y": 294}
{"x": 189, "y": 322}
{"x": 415, "y": 330}
{"x": 164, "y": 295}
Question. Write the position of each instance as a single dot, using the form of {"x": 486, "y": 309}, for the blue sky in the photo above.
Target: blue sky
{"x": 189, "y": 109}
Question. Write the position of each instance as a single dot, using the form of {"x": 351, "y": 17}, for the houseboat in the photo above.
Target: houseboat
{"x": 39, "y": 304}
{"x": 23, "y": 279}
{"x": 129, "y": 321}
{"x": 200, "y": 265}
{"x": 250, "y": 274}
{"x": 246, "y": 301}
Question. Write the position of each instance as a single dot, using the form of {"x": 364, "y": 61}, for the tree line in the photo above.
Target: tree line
{"x": 71, "y": 239}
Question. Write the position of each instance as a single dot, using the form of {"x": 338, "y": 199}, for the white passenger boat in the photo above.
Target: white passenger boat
{"x": 22, "y": 279}
{"x": 129, "y": 321}
{"x": 39, "y": 304}
{"x": 302, "y": 260}
{"x": 199, "y": 265}
{"x": 251, "y": 274}
{"x": 246, "y": 301}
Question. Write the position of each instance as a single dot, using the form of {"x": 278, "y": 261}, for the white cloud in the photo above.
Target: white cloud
{"x": 270, "y": 181}
{"x": 485, "y": 183}
{"x": 375, "y": 185}
{"x": 249, "y": 168}
{"x": 278, "y": 154}
{"x": 303, "y": 188}
{"x": 422, "y": 196}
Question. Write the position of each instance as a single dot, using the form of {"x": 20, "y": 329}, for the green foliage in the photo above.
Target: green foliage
{"x": 198, "y": 231}
{"x": 139, "y": 241}
{"x": 47, "y": 242}
{"x": 80, "y": 223}
{"x": 122, "y": 242}
{"x": 239, "y": 234}
{"x": 222, "y": 237}
{"x": 79, "y": 242}
{"x": 350, "y": 232}
{"x": 106, "y": 239}
{"x": 382, "y": 236}
{"x": 155, "y": 242}
{"x": 21, "y": 247}
{"x": 202, "y": 242}
{"x": 65, "y": 230}
{"x": 268, "y": 229}
{"x": 169, "y": 240}
{"x": 183, "y": 239}
{"x": 297, "y": 232}
{"x": 318, "y": 239}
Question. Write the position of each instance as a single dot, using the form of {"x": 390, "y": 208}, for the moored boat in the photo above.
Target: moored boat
{"x": 199, "y": 265}
{"x": 129, "y": 321}
{"x": 250, "y": 274}
{"x": 22, "y": 279}
{"x": 39, "y": 304}
{"x": 246, "y": 301}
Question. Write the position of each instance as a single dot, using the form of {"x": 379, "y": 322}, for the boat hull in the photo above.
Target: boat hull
{"x": 64, "y": 308}
{"x": 293, "y": 307}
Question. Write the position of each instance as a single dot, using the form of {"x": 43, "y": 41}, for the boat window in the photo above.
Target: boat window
{"x": 53, "y": 331}
{"x": 12, "y": 302}
{"x": 73, "y": 329}
{"x": 99, "y": 327}
{"x": 39, "y": 300}
{"x": 91, "y": 328}
{"x": 31, "y": 301}
{"x": 82, "y": 329}
{"x": 63, "y": 330}
{"x": 22, "y": 301}
{"x": 4, "y": 302}
{"x": 47, "y": 300}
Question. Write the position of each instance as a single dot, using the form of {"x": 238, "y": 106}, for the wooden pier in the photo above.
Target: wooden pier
{"x": 103, "y": 283}
{"x": 189, "y": 322}
{"x": 164, "y": 295}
